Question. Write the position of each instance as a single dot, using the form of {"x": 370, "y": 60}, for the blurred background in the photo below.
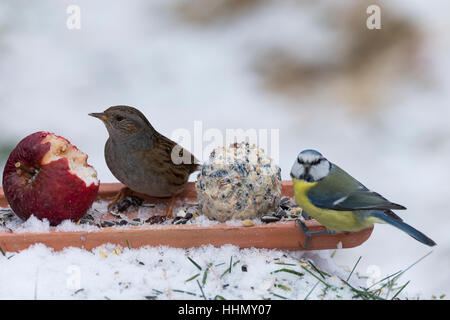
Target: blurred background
{"x": 375, "y": 102}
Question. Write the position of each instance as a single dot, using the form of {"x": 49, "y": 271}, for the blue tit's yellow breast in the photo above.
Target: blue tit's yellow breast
{"x": 332, "y": 219}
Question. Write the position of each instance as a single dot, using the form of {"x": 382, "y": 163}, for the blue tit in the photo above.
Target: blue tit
{"x": 340, "y": 202}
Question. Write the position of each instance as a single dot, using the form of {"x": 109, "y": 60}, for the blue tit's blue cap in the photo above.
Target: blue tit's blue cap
{"x": 311, "y": 151}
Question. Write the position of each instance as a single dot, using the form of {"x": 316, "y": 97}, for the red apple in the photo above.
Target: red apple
{"x": 48, "y": 177}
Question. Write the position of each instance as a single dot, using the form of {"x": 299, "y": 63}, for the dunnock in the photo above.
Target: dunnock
{"x": 140, "y": 157}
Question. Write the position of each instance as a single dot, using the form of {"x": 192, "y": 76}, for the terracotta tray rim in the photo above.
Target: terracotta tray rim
{"x": 282, "y": 235}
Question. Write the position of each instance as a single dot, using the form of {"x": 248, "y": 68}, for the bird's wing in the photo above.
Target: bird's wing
{"x": 160, "y": 160}
{"x": 340, "y": 191}
{"x": 365, "y": 200}
{"x": 190, "y": 162}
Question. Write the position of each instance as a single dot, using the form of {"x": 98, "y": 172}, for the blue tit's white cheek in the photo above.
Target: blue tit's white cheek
{"x": 320, "y": 170}
{"x": 297, "y": 170}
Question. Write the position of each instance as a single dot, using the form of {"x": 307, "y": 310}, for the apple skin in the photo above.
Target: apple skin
{"x": 54, "y": 193}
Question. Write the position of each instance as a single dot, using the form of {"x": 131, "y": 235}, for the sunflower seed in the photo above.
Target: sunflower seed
{"x": 179, "y": 221}
{"x": 247, "y": 223}
{"x": 135, "y": 201}
{"x": 123, "y": 205}
{"x": 270, "y": 218}
{"x": 106, "y": 223}
{"x": 285, "y": 203}
{"x": 281, "y": 213}
{"x": 156, "y": 219}
{"x": 192, "y": 210}
{"x": 148, "y": 205}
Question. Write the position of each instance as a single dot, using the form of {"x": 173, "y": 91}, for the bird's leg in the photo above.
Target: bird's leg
{"x": 169, "y": 209}
{"x": 308, "y": 233}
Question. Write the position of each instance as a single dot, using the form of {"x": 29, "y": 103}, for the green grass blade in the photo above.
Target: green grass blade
{"x": 201, "y": 289}
{"x": 192, "y": 278}
{"x": 205, "y": 275}
{"x": 195, "y": 263}
{"x": 285, "y": 264}
{"x": 354, "y": 267}
{"x": 310, "y": 291}
{"x": 278, "y": 296}
{"x": 289, "y": 271}
{"x": 315, "y": 276}
{"x": 398, "y": 292}
{"x": 322, "y": 273}
{"x": 187, "y": 292}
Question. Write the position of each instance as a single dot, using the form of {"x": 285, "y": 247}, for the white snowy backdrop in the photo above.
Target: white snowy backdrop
{"x": 374, "y": 102}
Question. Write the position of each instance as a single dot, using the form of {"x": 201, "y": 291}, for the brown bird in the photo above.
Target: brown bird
{"x": 142, "y": 158}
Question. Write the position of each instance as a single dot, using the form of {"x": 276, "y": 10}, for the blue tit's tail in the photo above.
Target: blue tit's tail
{"x": 397, "y": 222}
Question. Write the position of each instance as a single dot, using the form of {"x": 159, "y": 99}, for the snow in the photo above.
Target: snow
{"x": 109, "y": 272}
{"x": 114, "y": 272}
{"x": 35, "y": 225}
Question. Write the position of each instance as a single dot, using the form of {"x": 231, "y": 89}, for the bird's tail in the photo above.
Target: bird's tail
{"x": 416, "y": 234}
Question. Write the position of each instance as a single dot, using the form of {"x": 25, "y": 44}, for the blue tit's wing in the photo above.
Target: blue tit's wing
{"x": 340, "y": 191}
{"x": 365, "y": 200}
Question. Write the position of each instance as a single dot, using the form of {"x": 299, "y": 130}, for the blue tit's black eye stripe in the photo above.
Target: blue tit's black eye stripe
{"x": 313, "y": 163}
{"x": 316, "y": 162}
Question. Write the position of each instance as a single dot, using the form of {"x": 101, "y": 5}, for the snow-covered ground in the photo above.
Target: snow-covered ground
{"x": 227, "y": 272}
{"x": 143, "y": 54}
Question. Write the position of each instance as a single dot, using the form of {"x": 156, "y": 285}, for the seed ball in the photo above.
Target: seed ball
{"x": 238, "y": 182}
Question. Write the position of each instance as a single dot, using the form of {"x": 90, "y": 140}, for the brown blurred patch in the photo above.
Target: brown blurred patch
{"x": 373, "y": 61}
{"x": 205, "y": 12}
{"x": 365, "y": 70}
{"x": 284, "y": 72}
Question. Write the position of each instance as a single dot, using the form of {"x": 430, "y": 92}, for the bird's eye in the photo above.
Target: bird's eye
{"x": 119, "y": 118}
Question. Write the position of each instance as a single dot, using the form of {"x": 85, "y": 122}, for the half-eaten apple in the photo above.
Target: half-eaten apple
{"x": 46, "y": 176}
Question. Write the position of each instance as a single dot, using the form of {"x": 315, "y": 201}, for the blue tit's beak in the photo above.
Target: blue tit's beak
{"x": 307, "y": 166}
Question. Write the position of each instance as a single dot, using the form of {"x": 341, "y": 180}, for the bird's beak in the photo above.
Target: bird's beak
{"x": 99, "y": 115}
